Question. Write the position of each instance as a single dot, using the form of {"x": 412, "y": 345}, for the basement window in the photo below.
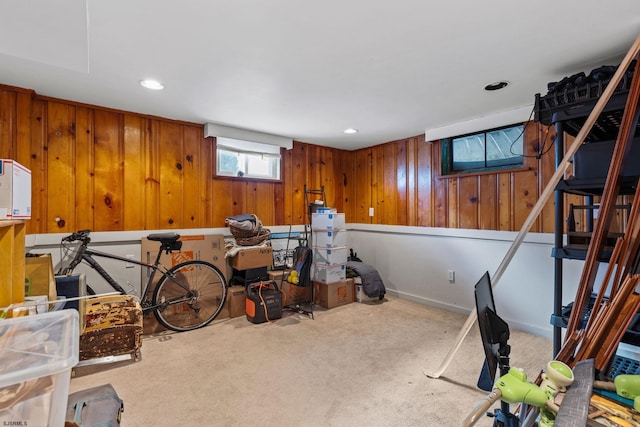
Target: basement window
{"x": 494, "y": 149}
{"x": 247, "y": 159}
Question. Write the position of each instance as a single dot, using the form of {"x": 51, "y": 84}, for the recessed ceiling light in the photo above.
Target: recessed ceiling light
{"x": 496, "y": 86}
{"x": 152, "y": 84}
{"x": 350, "y": 131}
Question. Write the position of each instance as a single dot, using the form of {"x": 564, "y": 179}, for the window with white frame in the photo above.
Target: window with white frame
{"x": 247, "y": 159}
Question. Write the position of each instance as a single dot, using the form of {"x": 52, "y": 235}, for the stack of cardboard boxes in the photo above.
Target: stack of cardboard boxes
{"x": 292, "y": 293}
{"x": 208, "y": 248}
{"x": 250, "y": 265}
{"x": 329, "y": 244}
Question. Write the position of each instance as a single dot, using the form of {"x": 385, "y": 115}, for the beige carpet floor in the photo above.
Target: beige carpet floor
{"x": 355, "y": 365}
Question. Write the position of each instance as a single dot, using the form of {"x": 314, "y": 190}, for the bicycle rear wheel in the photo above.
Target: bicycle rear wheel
{"x": 189, "y": 296}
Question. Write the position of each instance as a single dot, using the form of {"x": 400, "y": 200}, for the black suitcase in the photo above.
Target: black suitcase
{"x": 95, "y": 407}
{"x": 263, "y": 302}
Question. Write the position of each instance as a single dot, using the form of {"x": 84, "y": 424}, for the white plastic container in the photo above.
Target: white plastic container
{"x": 329, "y": 238}
{"x": 327, "y": 221}
{"x": 329, "y": 273}
{"x": 330, "y": 255}
{"x": 358, "y": 291}
{"x": 37, "y": 354}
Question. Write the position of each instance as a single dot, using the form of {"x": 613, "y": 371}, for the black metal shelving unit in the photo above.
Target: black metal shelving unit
{"x": 567, "y": 110}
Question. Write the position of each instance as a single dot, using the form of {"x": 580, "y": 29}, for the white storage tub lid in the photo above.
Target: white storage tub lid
{"x": 38, "y": 345}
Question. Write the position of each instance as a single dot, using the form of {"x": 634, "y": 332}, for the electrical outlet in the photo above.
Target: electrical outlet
{"x": 129, "y": 264}
{"x": 370, "y": 211}
{"x": 132, "y": 289}
{"x": 451, "y": 275}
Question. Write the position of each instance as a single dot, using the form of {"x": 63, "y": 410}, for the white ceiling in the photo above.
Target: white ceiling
{"x": 310, "y": 69}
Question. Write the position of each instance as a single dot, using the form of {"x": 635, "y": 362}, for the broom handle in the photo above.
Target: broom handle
{"x": 480, "y": 410}
{"x": 542, "y": 200}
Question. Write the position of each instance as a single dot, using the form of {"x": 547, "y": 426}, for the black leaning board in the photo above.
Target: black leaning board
{"x": 69, "y": 287}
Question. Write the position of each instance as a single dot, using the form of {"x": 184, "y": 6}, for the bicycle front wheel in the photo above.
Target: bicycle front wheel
{"x": 189, "y": 296}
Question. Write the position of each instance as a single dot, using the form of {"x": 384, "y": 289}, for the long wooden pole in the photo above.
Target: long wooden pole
{"x": 542, "y": 200}
{"x": 607, "y": 203}
{"x": 613, "y": 262}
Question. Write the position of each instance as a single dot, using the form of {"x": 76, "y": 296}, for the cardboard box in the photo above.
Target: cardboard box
{"x": 23, "y": 310}
{"x": 39, "y": 278}
{"x": 252, "y": 258}
{"x": 15, "y": 190}
{"x": 277, "y": 275}
{"x": 151, "y": 325}
{"x": 205, "y": 247}
{"x": 235, "y": 302}
{"x": 294, "y": 294}
{"x": 327, "y": 221}
{"x": 330, "y": 295}
{"x": 19, "y": 310}
{"x": 329, "y": 273}
{"x": 329, "y": 238}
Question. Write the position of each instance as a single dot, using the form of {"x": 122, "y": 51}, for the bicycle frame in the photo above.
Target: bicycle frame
{"x": 187, "y": 296}
{"x": 87, "y": 255}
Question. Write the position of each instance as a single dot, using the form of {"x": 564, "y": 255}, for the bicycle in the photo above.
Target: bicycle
{"x": 187, "y": 296}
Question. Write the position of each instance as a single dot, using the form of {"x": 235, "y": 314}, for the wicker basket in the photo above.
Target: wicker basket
{"x": 254, "y": 240}
{"x": 239, "y": 233}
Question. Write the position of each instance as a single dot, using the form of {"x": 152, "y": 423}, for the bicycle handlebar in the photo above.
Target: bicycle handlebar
{"x": 82, "y": 235}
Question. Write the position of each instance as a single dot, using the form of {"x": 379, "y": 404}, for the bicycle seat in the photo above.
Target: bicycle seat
{"x": 164, "y": 237}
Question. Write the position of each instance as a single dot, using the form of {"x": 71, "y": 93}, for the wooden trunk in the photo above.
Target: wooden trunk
{"x": 113, "y": 327}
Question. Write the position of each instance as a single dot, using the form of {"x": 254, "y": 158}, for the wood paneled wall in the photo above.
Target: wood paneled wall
{"x": 401, "y": 180}
{"x": 109, "y": 170}
{"x": 104, "y": 169}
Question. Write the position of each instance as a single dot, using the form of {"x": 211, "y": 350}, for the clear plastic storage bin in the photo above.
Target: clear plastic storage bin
{"x": 37, "y": 354}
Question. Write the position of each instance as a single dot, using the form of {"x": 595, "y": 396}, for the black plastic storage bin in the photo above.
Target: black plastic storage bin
{"x": 592, "y": 160}
{"x": 248, "y": 276}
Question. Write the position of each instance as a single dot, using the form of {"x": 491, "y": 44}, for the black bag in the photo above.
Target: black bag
{"x": 95, "y": 407}
{"x": 302, "y": 259}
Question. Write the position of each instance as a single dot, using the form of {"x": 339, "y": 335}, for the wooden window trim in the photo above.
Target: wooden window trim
{"x": 486, "y": 172}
